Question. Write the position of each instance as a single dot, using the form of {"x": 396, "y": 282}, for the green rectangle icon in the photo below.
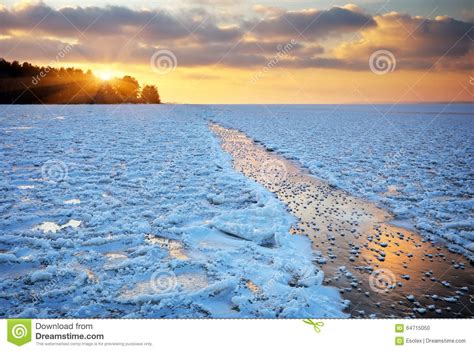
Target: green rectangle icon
{"x": 399, "y": 328}
{"x": 19, "y": 331}
{"x": 399, "y": 340}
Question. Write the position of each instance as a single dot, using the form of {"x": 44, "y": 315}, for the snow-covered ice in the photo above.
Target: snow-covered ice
{"x": 135, "y": 211}
{"x": 416, "y": 160}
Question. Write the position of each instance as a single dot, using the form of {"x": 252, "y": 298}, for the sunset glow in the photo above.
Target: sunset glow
{"x": 248, "y": 52}
{"x": 105, "y": 75}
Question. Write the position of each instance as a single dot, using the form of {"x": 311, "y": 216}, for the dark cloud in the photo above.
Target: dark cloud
{"x": 416, "y": 42}
{"x": 442, "y": 36}
{"x": 312, "y": 24}
{"x": 198, "y": 38}
{"x": 159, "y": 24}
{"x": 322, "y": 62}
{"x": 113, "y": 20}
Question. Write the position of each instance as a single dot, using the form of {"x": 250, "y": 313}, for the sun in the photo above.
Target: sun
{"x": 104, "y": 75}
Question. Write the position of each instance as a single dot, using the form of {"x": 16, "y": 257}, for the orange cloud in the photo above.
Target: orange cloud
{"x": 416, "y": 42}
{"x": 328, "y": 49}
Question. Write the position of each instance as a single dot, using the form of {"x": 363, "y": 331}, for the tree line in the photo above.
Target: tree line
{"x": 24, "y": 83}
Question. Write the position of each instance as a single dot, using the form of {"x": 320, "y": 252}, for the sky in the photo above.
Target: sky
{"x": 231, "y": 51}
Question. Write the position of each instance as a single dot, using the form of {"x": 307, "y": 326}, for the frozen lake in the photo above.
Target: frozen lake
{"x": 417, "y": 160}
{"x": 136, "y": 211}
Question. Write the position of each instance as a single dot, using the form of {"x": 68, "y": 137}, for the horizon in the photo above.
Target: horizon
{"x": 248, "y": 52}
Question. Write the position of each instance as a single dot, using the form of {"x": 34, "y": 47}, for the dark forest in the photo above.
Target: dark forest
{"x": 24, "y": 83}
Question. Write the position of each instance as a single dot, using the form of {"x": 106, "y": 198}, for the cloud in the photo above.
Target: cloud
{"x": 159, "y": 24}
{"x": 201, "y": 38}
{"x": 268, "y": 10}
{"x": 311, "y": 24}
{"x": 416, "y": 42}
{"x": 217, "y": 2}
{"x": 77, "y": 22}
{"x": 468, "y": 15}
{"x": 50, "y": 50}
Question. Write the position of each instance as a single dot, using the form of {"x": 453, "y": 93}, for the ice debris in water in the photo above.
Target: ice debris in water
{"x": 143, "y": 173}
